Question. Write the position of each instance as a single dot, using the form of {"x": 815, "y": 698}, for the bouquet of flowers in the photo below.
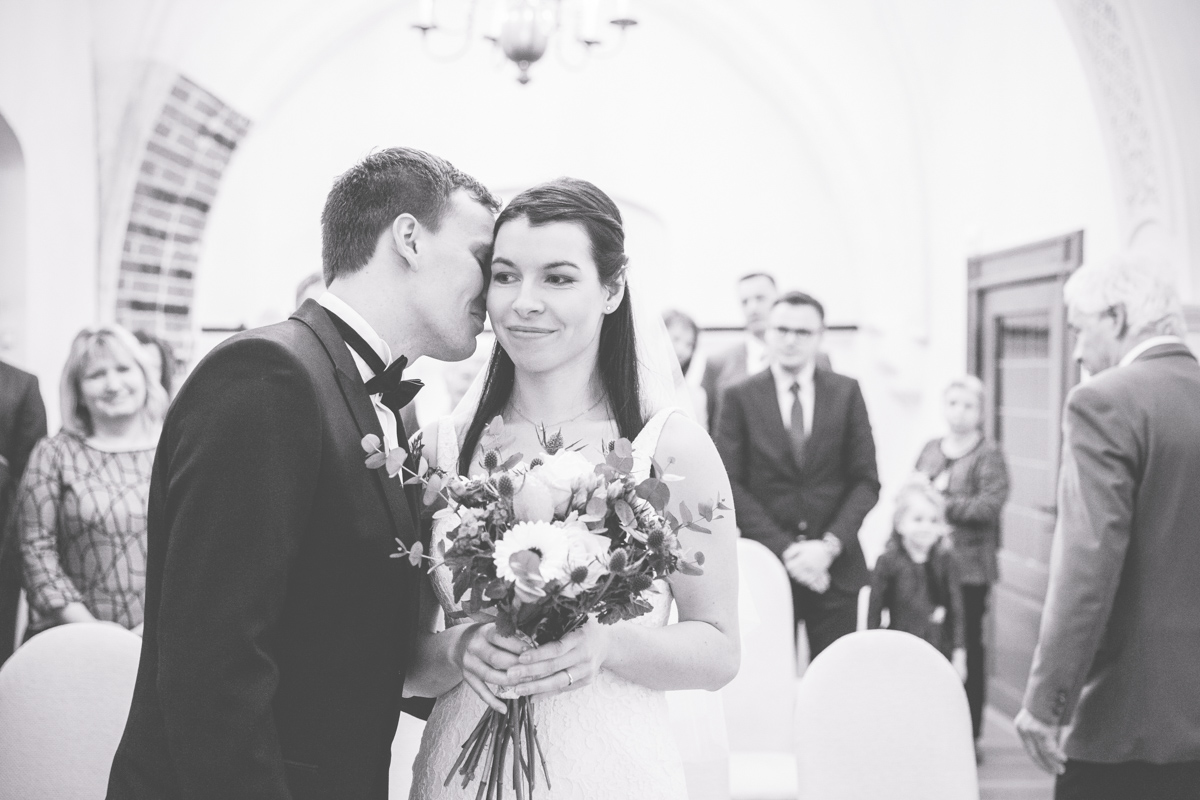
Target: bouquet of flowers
{"x": 539, "y": 549}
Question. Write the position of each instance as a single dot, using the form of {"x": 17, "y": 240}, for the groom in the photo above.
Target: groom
{"x": 278, "y": 629}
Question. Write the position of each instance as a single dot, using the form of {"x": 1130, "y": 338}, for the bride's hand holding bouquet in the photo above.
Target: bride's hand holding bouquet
{"x": 546, "y": 556}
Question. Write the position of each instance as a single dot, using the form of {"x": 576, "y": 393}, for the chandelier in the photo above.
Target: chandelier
{"x": 523, "y": 29}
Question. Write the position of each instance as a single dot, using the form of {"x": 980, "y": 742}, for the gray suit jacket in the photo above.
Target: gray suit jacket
{"x": 1118, "y": 656}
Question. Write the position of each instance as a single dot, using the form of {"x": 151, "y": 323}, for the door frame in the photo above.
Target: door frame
{"x": 1048, "y": 260}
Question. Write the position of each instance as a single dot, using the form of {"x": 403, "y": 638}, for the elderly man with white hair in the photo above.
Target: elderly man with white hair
{"x": 1118, "y": 656}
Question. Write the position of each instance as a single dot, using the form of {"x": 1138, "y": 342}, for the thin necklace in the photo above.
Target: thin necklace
{"x": 513, "y": 406}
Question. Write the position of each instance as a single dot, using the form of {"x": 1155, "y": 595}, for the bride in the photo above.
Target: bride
{"x": 567, "y": 358}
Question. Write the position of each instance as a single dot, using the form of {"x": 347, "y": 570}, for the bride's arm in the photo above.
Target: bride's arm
{"x": 474, "y": 653}
{"x": 703, "y": 650}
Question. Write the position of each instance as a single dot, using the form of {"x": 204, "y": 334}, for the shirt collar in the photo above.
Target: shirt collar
{"x": 784, "y": 379}
{"x": 1153, "y": 341}
{"x": 756, "y": 353}
{"x": 363, "y": 328}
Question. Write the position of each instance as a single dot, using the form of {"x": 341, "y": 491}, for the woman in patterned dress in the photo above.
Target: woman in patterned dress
{"x": 81, "y": 505}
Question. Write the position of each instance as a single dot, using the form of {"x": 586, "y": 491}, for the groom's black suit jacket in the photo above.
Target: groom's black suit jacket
{"x": 278, "y": 629}
{"x": 779, "y": 502}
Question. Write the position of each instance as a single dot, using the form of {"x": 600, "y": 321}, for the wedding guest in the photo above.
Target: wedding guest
{"x": 685, "y": 338}
{"x": 971, "y": 474}
{"x": 1115, "y": 664}
{"x": 81, "y": 506}
{"x": 916, "y": 579}
{"x": 757, "y": 293}
{"x": 161, "y": 358}
{"x": 22, "y": 424}
{"x": 796, "y": 441}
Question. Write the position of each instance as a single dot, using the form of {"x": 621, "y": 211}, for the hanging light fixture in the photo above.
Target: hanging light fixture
{"x": 524, "y": 29}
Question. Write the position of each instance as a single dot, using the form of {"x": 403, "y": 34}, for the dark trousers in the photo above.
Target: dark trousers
{"x": 827, "y": 616}
{"x": 1131, "y": 780}
{"x": 974, "y": 609}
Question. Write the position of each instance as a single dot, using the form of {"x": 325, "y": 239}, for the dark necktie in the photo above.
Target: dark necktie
{"x": 388, "y": 380}
{"x": 796, "y": 431}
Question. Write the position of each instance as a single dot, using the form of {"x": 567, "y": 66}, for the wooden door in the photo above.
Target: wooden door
{"x": 1021, "y": 350}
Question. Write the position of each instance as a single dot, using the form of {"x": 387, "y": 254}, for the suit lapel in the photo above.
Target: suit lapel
{"x": 360, "y": 407}
{"x": 774, "y": 438}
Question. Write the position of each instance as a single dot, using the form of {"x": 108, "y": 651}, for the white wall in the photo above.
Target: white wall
{"x": 46, "y": 96}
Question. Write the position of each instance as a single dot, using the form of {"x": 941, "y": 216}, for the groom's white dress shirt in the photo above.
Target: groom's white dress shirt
{"x": 783, "y": 391}
{"x": 387, "y": 420}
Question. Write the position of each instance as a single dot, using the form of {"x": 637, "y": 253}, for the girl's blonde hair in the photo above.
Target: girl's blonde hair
{"x": 88, "y": 342}
{"x": 917, "y": 487}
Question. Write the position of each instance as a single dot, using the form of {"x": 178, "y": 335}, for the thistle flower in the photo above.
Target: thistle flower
{"x": 491, "y": 460}
{"x": 618, "y": 560}
{"x": 504, "y": 485}
{"x": 640, "y": 582}
{"x": 655, "y": 539}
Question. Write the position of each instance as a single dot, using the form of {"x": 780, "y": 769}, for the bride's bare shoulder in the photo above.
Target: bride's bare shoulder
{"x": 688, "y": 443}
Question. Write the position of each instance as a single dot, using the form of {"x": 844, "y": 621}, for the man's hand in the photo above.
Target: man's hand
{"x": 1041, "y": 741}
{"x": 808, "y": 563}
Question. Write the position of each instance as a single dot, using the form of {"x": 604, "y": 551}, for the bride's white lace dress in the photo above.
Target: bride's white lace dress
{"x": 610, "y": 740}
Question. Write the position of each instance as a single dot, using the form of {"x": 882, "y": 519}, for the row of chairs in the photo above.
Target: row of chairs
{"x": 877, "y": 714}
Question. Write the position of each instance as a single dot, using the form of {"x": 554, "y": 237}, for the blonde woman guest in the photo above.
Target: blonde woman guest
{"x": 971, "y": 474}
{"x": 81, "y": 505}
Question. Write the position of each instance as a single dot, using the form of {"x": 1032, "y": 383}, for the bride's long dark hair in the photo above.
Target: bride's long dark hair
{"x": 573, "y": 200}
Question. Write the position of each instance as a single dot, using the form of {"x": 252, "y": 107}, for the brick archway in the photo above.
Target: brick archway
{"x": 185, "y": 155}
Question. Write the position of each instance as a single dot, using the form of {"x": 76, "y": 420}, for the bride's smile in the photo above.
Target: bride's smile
{"x": 546, "y": 299}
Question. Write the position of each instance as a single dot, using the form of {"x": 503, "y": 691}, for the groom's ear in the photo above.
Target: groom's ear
{"x": 406, "y": 236}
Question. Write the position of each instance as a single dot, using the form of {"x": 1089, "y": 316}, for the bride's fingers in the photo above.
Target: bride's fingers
{"x": 552, "y": 650}
{"x": 485, "y": 694}
{"x": 552, "y": 658}
{"x": 478, "y": 666}
{"x": 563, "y": 680}
{"x": 514, "y": 646}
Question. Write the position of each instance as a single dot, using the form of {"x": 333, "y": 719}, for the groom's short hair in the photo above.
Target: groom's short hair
{"x": 367, "y": 197}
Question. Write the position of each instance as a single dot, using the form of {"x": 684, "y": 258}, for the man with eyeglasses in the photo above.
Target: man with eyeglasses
{"x": 756, "y": 295}
{"x": 797, "y": 443}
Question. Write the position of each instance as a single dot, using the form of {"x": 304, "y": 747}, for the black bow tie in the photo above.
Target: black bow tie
{"x": 389, "y": 380}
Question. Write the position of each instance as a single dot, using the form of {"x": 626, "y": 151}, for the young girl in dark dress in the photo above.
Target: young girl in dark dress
{"x": 916, "y": 579}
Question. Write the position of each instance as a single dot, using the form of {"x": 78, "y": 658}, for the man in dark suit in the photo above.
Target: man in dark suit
{"x": 1116, "y": 660}
{"x": 278, "y": 628}
{"x": 797, "y": 443}
{"x": 22, "y": 424}
{"x": 756, "y": 294}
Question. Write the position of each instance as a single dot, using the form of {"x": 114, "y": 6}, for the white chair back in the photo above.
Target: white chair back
{"x": 882, "y": 714}
{"x": 759, "y": 701}
{"x": 64, "y": 699}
